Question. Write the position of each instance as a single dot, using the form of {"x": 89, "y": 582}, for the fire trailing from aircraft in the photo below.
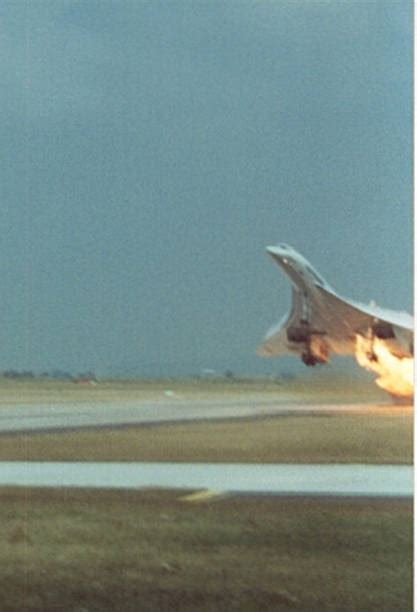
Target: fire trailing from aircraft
{"x": 395, "y": 374}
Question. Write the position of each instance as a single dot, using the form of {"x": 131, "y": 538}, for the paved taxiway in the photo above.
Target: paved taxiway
{"x": 279, "y": 479}
{"x": 78, "y": 415}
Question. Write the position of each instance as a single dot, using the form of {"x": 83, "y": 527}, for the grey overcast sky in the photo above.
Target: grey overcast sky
{"x": 152, "y": 149}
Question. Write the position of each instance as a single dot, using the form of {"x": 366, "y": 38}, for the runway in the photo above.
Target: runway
{"x": 278, "y": 479}
{"x": 31, "y": 418}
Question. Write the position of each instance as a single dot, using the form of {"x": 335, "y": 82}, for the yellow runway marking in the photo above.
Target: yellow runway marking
{"x": 202, "y": 496}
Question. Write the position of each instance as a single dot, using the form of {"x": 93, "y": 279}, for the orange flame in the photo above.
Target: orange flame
{"x": 396, "y": 375}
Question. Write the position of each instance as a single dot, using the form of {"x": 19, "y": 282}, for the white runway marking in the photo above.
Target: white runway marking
{"x": 278, "y": 479}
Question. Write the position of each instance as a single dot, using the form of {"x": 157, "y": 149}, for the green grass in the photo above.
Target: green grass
{"x": 149, "y": 551}
{"x": 357, "y": 438}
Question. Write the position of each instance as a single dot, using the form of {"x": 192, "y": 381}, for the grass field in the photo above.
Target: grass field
{"x": 310, "y": 389}
{"x": 149, "y": 551}
{"x": 355, "y": 438}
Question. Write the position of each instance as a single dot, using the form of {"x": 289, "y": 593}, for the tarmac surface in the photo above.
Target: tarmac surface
{"x": 278, "y": 479}
{"x": 19, "y": 418}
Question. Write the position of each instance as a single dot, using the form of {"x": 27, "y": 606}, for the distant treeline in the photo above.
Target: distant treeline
{"x": 55, "y": 374}
{"x": 206, "y": 376}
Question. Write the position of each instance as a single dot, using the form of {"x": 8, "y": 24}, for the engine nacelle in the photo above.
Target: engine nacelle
{"x": 383, "y": 331}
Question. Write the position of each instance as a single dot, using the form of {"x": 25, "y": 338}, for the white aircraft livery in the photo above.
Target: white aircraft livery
{"x": 321, "y": 322}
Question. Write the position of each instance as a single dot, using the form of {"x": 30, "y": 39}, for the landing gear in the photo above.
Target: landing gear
{"x": 311, "y": 340}
{"x": 309, "y": 360}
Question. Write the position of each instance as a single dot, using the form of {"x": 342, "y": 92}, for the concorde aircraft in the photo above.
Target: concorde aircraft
{"x": 321, "y": 322}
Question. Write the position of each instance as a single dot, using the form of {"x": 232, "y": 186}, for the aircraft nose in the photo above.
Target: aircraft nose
{"x": 281, "y": 250}
{"x": 273, "y": 250}
{"x": 281, "y": 253}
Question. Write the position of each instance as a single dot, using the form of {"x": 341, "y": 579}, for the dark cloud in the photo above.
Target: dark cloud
{"x": 155, "y": 148}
